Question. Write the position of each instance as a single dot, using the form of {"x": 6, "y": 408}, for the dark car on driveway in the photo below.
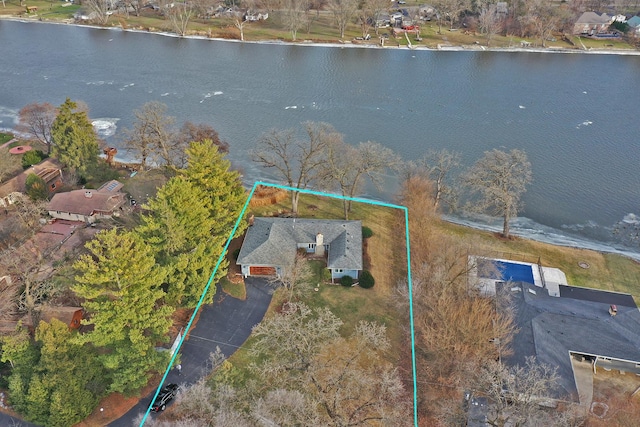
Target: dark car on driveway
{"x": 166, "y": 395}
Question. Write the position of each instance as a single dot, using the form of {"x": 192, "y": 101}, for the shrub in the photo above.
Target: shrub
{"x": 346, "y": 281}
{"x": 236, "y": 253}
{"x": 326, "y": 275}
{"x": 366, "y": 232}
{"x": 366, "y": 279}
{"x": 32, "y": 157}
{"x": 36, "y": 187}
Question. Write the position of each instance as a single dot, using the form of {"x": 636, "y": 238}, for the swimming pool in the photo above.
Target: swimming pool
{"x": 505, "y": 271}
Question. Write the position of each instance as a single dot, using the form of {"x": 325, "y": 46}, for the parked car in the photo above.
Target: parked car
{"x": 166, "y": 395}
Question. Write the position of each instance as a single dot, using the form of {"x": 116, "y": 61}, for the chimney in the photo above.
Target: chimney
{"x": 88, "y": 194}
{"x": 319, "y": 244}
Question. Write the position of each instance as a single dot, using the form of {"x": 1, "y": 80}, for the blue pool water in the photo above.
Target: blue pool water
{"x": 506, "y": 271}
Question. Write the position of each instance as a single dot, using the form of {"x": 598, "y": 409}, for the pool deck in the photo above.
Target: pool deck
{"x": 553, "y": 277}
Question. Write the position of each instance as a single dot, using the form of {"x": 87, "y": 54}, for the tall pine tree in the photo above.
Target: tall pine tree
{"x": 190, "y": 220}
{"x": 121, "y": 285}
{"x": 178, "y": 228}
{"x": 224, "y": 196}
{"x": 75, "y": 143}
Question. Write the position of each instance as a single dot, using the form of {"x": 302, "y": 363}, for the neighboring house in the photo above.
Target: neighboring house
{"x": 52, "y": 178}
{"x": 70, "y": 316}
{"x": 88, "y": 205}
{"x": 634, "y": 24}
{"x": 591, "y": 23}
{"x": 256, "y": 16}
{"x": 581, "y": 325}
{"x": 50, "y": 170}
{"x": 270, "y": 245}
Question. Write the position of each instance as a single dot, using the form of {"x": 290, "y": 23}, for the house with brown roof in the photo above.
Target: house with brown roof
{"x": 70, "y": 316}
{"x": 88, "y": 205}
{"x": 591, "y": 23}
{"x": 50, "y": 170}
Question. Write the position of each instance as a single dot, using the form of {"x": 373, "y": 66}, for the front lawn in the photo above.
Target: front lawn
{"x": 350, "y": 304}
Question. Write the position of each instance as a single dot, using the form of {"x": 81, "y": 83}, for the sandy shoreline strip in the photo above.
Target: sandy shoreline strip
{"x": 346, "y": 44}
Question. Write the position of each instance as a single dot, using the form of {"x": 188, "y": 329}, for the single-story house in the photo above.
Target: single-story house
{"x": 270, "y": 245}
{"x": 580, "y": 326}
{"x": 590, "y": 23}
{"x": 88, "y": 205}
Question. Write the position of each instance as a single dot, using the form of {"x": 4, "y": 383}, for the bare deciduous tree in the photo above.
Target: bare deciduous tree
{"x": 296, "y": 277}
{"x": 455, "y": 327}
{"x": 179, "y": 15}
{"x": 30, "y": 212}
{"x": 343, "y": 12}
{"x": 295, "y": 15}
{"x": 347, "y": 377}
{"x": 500, "y": 178}
{"x": 450, "y": 10}
{"x": 239, "y": 23}
{"x": 37, "y": 120}
{"x": 368, "y": 15}
{"x": 437, "y": 166}
{"x": 99, "y": 10}
{"x": 489, "y": 22}
{"x": 152, "y": 135}
{"x": 515, "y": 393}
{"x": 295, "y": 161}
{"x": 28, "y": 268}
{"x": 345, "y": 166}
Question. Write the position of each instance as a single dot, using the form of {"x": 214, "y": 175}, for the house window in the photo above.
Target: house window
{"x": 312, "y": 245}
{"x": 338, "y": 270}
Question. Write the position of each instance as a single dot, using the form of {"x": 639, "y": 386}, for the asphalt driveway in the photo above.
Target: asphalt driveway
{"x": 227, "y": 324}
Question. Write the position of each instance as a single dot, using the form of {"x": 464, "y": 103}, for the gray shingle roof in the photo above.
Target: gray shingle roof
{"x": 552, "y": 327}
{"x": 273, "y": 241}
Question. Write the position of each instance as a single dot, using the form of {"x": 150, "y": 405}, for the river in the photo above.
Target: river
{"x": 576, "y": 115}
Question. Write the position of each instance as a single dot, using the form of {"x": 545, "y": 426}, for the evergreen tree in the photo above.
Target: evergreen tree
{"x": 120, "y": 282}
{"x": 36, "y": 187}
{"x": 75, "y": 143}
{"x": 210, "y": 171}
{"x": 178, "y": 228}
{"x": 68, "y": 370}
{"x": 190, "y": 220}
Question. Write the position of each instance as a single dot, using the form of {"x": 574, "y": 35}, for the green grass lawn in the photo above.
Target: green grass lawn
{"x": 606, "y": 271}
{"x": 350, "y": 304}
{"x": 5, "y": 137}
{"x": 236, "y": 290}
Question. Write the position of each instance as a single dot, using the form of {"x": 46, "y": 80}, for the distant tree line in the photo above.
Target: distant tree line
{"x": 538, "y": 19}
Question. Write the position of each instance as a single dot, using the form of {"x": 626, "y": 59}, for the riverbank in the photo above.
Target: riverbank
{"x": 449, "y": 40}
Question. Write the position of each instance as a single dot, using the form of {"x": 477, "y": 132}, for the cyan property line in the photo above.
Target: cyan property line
{"x": 195, "y": 312}
{"x": 322, "y": 194}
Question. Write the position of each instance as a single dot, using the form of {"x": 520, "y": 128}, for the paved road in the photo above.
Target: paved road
{"x": 226, "y": 323}
{"x": 8, "y": 421}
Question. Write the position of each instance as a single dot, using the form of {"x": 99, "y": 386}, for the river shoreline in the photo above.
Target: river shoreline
{"x": 382, "y": 110}
{"x": 346, "y": 44}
